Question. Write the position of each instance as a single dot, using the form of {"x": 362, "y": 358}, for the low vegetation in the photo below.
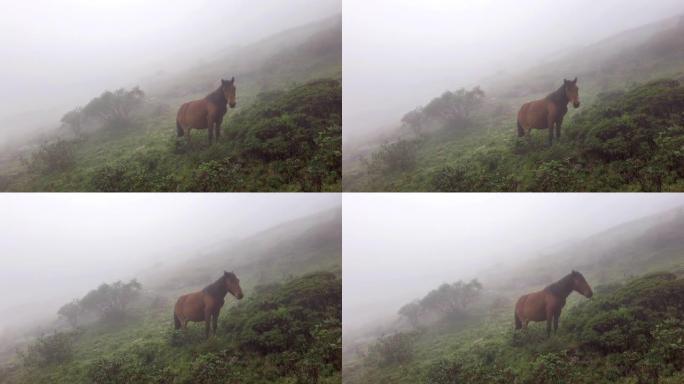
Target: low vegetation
{"x": 630, "y": 332}
{"x": 288, "y": 140}
{"x": 630, "y": 140}
{"x": 288, "y": 332}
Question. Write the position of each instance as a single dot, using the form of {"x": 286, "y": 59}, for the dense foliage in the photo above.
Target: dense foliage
{"x": 289, "y": 332}
{"x": 628, "y": 333}
{"x": 446, "y": 301}
{"x": 630, "y": 140}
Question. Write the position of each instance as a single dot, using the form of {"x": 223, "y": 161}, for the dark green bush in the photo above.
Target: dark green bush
{"x": 395, "y": 157}
{"x": 393, "y": 349}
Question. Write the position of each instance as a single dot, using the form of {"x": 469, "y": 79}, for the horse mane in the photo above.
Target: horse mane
{"x": 562, "y": 287}
{"x": 217, "y": 289}
{"x": 559, "y": 97}
{"x": 217, "y": 97}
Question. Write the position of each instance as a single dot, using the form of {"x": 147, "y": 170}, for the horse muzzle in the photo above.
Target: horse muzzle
{"x": 240, "y": 296}
{"x": 576, "y": 104}
{"x": 232, "y": 105}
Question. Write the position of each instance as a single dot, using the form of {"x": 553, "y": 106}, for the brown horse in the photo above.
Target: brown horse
{"x": 206, "y": 113}
{"x": 548, "y": 303}
{"x": 549, "y": 111}
{"x": 206, "y": 304}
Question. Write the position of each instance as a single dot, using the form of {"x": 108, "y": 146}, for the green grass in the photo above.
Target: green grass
{"x": 626, "y": 141}
{"x": 280, "y": 333}
{"x": 627, "y": 333}
{"x": 284, "y": 141}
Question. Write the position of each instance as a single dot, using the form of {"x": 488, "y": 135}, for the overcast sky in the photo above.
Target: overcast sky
{"x": 59, "y": 53}
{"x": 54, "y": 247}
{"x": 399, "y": 54}
{"x": 397, "y": 247}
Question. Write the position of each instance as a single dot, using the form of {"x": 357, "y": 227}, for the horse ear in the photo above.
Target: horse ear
{"x": 575, "y": 81}
{"x": 232, "y": 79}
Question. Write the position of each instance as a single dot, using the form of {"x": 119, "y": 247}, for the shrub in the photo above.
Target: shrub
{"x": 393, "y": 349}
{"x": 52, "y": 158}
{"x": 395, "y": 157}
{"x": 56, "y": 348}
{"x": 218, "y": 176}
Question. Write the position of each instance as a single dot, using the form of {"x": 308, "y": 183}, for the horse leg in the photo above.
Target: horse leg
{"x": 218, "y": 128}
{"x": 550, "y": 314}
{"x": 555, "y": 323}
{"x": 558, "y": 128}
{"x": 210, "y": 128}
{"x": 187, "y": 134}
{"x": 214, "y": 319}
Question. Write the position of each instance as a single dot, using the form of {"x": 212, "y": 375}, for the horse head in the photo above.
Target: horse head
{"x": 233, "y": 284}
{"x": 572, "y": 92}
{"x": 580, "y": 285}
{"x": 228, "y": 88}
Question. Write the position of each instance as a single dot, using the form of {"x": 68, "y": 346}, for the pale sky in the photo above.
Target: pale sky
{"x": 56, "y": 54}
{"x": 398, "y": 246}
{"x": 54, "y": 247}
{"x": 398, "y": 54}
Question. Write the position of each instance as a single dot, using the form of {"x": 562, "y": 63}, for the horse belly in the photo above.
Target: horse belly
{"x": 191, "y": 307}
{"x": 534, "y": 308}
{"x": 536, "y": 116}
{"x": 195, "y": 115}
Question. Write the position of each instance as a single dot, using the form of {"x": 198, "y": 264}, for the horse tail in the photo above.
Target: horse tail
{"x": 521, "y": 132}
{"x": 518, "y": 323}
{"x": 179, "y": 129}
{"x": 176, "y": 321}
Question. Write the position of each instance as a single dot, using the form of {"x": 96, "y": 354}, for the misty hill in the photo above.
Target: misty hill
{"x": 297, "y": 55}
{"x": 291, "y": 249}
{"x": 638, "y": 55}
{"x": 285, "y": 133}
{"x": 630, "y": 331}
{"x": 642, "y": 246}
{"x": 286, "y": 329}
{"x": 625, "y": 137}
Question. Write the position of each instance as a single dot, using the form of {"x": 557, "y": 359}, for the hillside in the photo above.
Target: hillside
{"x": 284, "y": 135}
{"x": 286, "y": 329}
{"x": 629, "y": 332}
{"x": 626, "y": 136}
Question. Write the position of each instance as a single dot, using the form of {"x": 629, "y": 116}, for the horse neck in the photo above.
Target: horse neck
{"x": 559, "y": 96}
{"x": 562, "y": 288}
{"x": 217, "y": 97}
{"x": 217, "y": 289}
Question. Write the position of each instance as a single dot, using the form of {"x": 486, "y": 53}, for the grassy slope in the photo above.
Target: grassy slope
{"x": 484, "y": 339}
{"x": 147, "y": 156}
{"x": 293, "y": 256}
{"x": 489, "y": 150}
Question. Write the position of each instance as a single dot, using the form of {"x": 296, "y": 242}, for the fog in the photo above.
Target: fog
{"x": 60, "y": 54}
{"x": 399, "y": 54}
{"x": 56, "y": 247}
{"x": 397, "y": 247}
